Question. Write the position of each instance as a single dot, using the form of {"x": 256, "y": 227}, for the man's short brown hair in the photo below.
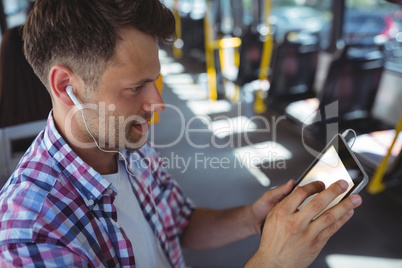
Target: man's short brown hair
{"x": 82, "y": 34}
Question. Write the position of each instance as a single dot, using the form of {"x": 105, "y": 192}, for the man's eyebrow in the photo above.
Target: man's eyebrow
{"x": 146, "y": 80}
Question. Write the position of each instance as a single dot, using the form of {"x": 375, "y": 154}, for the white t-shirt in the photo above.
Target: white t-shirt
{"x": 146, "y": 246}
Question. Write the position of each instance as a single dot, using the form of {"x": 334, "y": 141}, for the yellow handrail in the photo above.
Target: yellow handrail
{"x": 177, "y": 52}
{"x": 222, "y": 44}
{"x": 209, "y": 54}
{"x": 210, "y": 46}
{"x": 259, "y": 104}
{"x": 376, "y": 184}
{"x": 226, "y": 42}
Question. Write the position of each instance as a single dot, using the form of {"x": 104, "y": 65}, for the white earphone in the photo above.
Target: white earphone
{"x": 69, "y": 90}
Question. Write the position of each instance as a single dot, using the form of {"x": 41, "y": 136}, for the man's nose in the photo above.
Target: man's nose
{"x": 154, "y": 102}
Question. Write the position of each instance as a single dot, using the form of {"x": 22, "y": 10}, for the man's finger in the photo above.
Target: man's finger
{"x": 330, "y": 222}
{"x": 322, "y": 200}
{"x": 275, "y": 195}
{"x": 297, "y": 197}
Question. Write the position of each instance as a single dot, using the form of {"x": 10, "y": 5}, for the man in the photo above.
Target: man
{"x": 73, "y": 202}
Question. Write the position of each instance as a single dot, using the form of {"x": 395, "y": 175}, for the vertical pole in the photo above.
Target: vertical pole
{"x": 209, "y": 53}
{"x": 336, "y": 37}
{"x": 177, "y": 52}
{"x": 259, "y": 104}
{"x": 236, "y": 94}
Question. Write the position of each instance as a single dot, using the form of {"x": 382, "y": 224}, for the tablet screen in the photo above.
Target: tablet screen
{"x": 333, "y": 165}
{"x": 328, "y": 169}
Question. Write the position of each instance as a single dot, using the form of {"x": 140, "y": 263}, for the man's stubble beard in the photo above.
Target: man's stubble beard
{"x": 121, "y": 135}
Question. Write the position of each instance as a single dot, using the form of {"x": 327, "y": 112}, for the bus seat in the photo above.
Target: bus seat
{"x": 23, "y": 97}
{"x": 292, "y": 68}
{"x": 294, "y": 65}
{"x": 386, "y": 107}
{"x": 14, "y": 141}
{"x": 373, "y": 147}
{"x": 250, "y": 57}
{"x": 353, "y": 80}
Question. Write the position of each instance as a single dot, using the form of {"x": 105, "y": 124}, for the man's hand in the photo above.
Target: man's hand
{"x": 210, "y": 228}
{"x": 290, "y": 237}
{"x": 266, "y": 202}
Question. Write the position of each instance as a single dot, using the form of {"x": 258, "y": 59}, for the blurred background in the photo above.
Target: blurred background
{"x": 253, "y": 88}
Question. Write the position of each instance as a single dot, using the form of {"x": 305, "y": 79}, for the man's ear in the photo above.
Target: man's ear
{"x": 59, "y": 78}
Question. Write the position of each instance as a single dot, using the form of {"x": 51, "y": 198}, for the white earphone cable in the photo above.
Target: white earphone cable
{"x": 346, "y": 132}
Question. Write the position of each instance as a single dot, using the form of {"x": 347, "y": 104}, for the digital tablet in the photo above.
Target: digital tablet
{"x": 336, "y": 162}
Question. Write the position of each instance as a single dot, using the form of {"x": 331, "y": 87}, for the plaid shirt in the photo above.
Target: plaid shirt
{"x": 56, "y": 211}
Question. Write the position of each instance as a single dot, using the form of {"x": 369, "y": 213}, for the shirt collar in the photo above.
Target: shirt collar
{"x": 89, "y": 182}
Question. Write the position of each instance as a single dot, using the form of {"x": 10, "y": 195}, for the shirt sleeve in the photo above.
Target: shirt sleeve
{"x": 39, "y": 255}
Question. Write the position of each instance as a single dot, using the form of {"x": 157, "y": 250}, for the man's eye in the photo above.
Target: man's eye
{"x": 137, "y": 88}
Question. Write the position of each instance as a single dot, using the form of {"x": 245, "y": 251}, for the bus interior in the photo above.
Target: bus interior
{"x": 265, "y": 81}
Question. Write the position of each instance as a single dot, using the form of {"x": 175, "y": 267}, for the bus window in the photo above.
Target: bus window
{"x": 15, "y": 11}
{"x": 301, "y": 16}
{"x": 369, "y": 22}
